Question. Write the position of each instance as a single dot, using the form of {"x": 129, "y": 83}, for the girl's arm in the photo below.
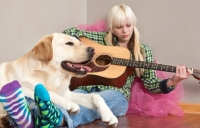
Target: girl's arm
{"x": 92, "y": 35}
{"x": 151, "y": 82}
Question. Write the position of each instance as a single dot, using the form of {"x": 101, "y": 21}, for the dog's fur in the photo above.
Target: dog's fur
{"x": 43, "y": 65}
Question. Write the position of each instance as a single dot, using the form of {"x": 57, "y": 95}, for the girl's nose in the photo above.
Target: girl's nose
{"x": 124, "y": 29}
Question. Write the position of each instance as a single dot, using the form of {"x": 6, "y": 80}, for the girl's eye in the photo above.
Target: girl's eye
{"x": 69, "y": 43}
{"x": 119, "y": 27}
{"x": 129, "y": 25}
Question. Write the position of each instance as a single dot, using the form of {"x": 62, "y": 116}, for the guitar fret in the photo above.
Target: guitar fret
{"x": 152, "y": 66}
{"x": 129, "y": 63}
{"x": 135, "y": 64}
{"x": 164, "y": 68}
{"x": 167, "y": 68}
{"x": 142, "y": 64}
{"x": 122, "y": 61}
{"x": 155, "y": 66}
{"x": 118, "y": 61}
{"x": 113, "y": 61}
{"x": 147, "y": 65}
{"x": 139, "y": 65}
{"x": 172, "y": 69}
{"x": 159, "y": 67}
{"x": 132, "y": 64}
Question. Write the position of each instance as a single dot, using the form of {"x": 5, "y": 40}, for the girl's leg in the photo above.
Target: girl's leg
{"x": 85, "y": 115}
{"x": 13, "y": 101}
{"x": 115, "y": 101}
{"x": 49, "y": 115}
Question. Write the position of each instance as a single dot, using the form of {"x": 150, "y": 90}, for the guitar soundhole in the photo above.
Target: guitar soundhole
{"x": 103, "y": 60}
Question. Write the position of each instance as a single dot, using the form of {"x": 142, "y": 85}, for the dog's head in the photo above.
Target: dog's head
{"x": 65, "y": 51}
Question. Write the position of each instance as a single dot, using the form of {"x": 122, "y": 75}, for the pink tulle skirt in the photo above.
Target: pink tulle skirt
{"x": 99, "y": 26}
{"x": 141, "y": 101}
{"x": 159, "y": 105}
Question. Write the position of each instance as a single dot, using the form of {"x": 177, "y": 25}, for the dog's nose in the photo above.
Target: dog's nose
{"x": 90, "y": 50}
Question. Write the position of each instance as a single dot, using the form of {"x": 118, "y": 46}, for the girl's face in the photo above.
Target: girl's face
{"x": 123, "y": 31}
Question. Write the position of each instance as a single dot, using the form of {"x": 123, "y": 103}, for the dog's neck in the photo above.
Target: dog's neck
{"x": 38, "y": 70}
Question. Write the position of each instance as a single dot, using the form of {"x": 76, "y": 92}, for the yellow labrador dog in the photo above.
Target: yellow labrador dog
{"x": 53, "y": 62}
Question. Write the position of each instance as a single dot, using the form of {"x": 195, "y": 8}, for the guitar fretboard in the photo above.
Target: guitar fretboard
{"x": 142, "y": 64}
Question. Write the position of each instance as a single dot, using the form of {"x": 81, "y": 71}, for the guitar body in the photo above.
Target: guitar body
{"x": 99, "y": 80}
{"x": 113, "y": 71}
{"x": 114, "y": 75}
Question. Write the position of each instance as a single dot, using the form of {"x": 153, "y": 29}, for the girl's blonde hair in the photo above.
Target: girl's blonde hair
{"x": 117, "y": 17}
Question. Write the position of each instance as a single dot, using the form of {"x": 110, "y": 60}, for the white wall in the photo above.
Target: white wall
{"x": 24, "y": 22}
{"x": 170, "y": 27}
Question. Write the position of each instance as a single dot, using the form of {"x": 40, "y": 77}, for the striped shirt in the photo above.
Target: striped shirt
{"x": 149, "y": 78}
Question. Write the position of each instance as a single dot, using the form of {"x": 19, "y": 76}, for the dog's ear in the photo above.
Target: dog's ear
{"x": 43, "y": 49}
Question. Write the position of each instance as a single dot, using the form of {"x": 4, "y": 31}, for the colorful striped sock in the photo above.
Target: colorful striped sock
{"x": 13, "y": 101}
{"x": 49, "y": 115}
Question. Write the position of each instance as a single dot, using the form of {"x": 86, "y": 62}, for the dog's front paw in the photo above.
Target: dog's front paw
{"x": 110, "y": 119}
{"x": 72, "y": 107}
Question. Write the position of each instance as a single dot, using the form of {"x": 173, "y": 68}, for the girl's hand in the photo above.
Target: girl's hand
{"x": 181, "y": 74}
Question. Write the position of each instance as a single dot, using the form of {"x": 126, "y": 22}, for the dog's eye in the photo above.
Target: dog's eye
{"x": 69, "y": 43}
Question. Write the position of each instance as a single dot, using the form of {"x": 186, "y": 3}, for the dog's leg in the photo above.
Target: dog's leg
{"x": 70, "y": 106}
{"x": 94, "y": 101}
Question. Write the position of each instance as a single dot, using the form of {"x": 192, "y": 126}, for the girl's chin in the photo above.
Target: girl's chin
{"x": 126, "y": 39}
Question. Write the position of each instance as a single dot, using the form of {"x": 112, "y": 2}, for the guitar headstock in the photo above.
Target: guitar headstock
{"x": 196, "y": 74}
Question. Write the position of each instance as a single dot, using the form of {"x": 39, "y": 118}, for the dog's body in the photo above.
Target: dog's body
{"x": 53, "y": 62}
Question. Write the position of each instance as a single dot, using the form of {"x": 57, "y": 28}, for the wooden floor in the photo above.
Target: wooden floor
{"x": 191, "y": 119}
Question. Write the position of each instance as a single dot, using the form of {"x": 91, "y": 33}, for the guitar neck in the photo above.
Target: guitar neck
{"x": 142, "y": 64}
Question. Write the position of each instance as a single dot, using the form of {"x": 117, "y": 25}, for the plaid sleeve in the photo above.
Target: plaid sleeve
{"x": 151, "y": 82}
{"x": 92, "y": 35}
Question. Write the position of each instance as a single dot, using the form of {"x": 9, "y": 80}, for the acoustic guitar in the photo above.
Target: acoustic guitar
{"x": 111, "y": 66}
